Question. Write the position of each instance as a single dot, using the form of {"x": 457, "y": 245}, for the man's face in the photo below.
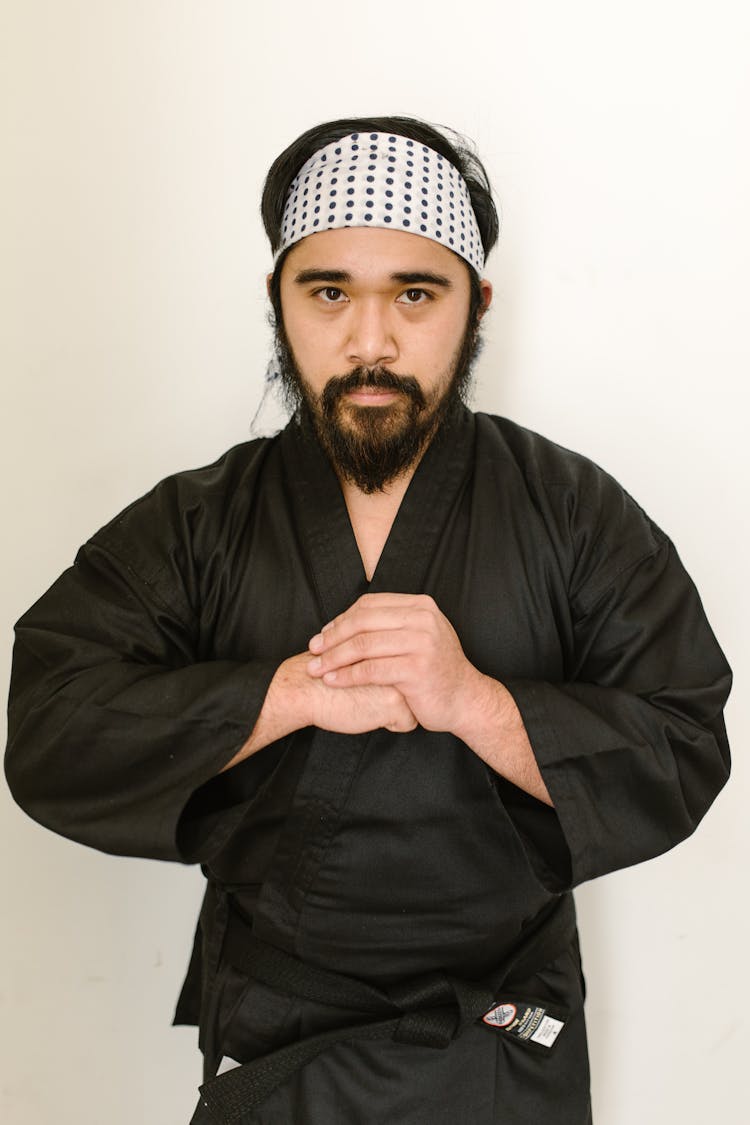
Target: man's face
{"x": 376, "y": 342}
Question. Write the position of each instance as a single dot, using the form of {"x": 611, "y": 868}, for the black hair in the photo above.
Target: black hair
{"x": 451, "y": 145}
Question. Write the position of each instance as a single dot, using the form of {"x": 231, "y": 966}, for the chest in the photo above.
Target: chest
{"x": 371, "y": 535}
{"x": 491, "y": 570}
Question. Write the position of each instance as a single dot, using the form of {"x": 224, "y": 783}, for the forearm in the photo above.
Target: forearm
{"x": 491, "y": 725}
{"x": 295, "y": 700}
{"x": 108, "y": 752}
{"x": 286, "y": 708}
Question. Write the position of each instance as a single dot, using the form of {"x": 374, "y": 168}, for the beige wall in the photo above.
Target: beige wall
{"x": 132, "y": 328}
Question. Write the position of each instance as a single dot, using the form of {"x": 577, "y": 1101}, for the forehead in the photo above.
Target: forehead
{"x": 361, "y": 251}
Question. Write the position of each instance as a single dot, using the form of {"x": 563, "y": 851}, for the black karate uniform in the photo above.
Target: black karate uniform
{"x": 382, "y": 857}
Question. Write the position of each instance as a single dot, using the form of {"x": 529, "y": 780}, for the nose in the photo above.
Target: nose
{"x": 371, "y": 342}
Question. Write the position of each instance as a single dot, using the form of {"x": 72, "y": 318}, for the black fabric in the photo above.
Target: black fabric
{"x": 141, "y": 672}
{"x": 429, "y": 1011}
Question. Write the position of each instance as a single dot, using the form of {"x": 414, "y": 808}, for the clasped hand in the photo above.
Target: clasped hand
{"x": 402, "y": 642}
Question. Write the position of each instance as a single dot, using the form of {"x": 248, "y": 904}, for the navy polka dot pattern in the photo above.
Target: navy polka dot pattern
{"x": 383, "y": 181}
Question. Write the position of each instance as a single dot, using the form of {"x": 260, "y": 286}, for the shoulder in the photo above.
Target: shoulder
{"x": 593, "y": 520}
{"x": 540, "y": 460}
{"x": 205, "y": 491}
{"x": 178, "y": 523}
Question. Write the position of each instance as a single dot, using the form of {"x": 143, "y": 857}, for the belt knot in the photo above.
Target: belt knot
{"x": 436, "y": 1008}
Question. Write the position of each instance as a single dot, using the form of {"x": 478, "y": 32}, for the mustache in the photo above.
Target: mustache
{"x": 379, "y": 377}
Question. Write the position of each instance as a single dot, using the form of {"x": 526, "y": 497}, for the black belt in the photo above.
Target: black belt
{"x": 429, "y": 1010}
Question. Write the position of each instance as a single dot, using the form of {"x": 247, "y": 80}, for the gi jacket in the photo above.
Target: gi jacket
{"x": 384, "y": 856}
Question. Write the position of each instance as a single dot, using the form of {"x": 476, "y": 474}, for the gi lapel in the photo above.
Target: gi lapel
{"x": 432, "y": 493}
{"x": 326, "y": 534}
{"x": 328, "y": 542}
{"x": 322, "y": 522}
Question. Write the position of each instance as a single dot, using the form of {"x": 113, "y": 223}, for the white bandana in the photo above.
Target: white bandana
{"x": 380, "y": 180}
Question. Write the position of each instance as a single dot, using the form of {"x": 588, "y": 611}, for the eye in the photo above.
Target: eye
{"x": 415, "y": 297}
{"x": 330, "y": 295}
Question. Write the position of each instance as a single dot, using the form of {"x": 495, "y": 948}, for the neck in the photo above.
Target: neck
{"x": 371, "y": 515}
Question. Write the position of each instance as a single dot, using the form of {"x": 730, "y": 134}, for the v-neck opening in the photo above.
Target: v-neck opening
{"x": 326, "y": 532}
{"x": 414, "y": 533}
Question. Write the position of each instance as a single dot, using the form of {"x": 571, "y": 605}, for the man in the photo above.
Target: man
{"x": 398, "y": 677}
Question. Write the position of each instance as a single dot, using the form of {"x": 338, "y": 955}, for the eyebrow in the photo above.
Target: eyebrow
{"x": 304, "y": 277}
{"x": 423, "y": 278}
{"x": 342, "y": 277}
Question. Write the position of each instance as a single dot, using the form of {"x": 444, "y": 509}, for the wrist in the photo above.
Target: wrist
{"x": 288, "y": 706}
{"x": 495, "y": 731}
{"x": 291, "y": 695}
{"x": 489, "y": 716}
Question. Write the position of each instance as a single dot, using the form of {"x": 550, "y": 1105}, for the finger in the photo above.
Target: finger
{"x": 402, "y": 723}
{"x": 364, "y": 618}
{"x": 361, "y": 709}
{"x": 364, "y": 646}
{"x": 383, "y": 601}
{"x": 378, "y": 672}
{"x": 397, "y": 715}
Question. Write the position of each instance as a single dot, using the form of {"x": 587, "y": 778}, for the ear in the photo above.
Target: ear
{"x": 486, "y": 288}
{"x": 268, "y": 283}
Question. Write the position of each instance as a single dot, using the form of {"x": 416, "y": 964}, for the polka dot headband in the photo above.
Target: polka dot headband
{"x": 379, "y": 180}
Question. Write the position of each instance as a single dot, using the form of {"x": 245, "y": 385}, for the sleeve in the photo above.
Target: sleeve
{"x": 114, "y": 721}
{"x": 632, "y": 745}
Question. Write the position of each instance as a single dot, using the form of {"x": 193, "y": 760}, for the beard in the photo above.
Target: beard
{"x": 371, "y": 446}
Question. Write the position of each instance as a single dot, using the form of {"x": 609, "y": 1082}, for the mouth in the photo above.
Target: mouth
{"x": 372, "y": 396}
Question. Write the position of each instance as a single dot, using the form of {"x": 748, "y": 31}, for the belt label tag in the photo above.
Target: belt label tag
{"x": 528, "y": 1022}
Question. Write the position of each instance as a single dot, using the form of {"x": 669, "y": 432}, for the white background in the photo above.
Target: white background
{"x": 135, "y": 138}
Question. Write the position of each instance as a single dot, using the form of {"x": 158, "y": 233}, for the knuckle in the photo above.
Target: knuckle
{"x": 360, "y": 642}
{"x": 360, "y": 673}
{"x": 354, "y": 618}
